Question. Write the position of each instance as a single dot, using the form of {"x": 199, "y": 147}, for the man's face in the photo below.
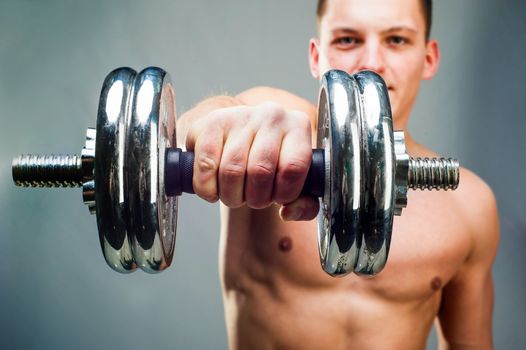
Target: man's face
{"x": 387, "y": 37}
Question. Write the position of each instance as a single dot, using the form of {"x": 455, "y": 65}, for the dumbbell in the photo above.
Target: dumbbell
{"x": 131, "y": 172}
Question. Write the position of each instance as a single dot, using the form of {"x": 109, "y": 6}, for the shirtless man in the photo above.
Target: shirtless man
{"x": 253, "y": 156}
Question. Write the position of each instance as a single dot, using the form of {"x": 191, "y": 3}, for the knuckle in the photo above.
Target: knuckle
{"x": 207, "y": 148}
{"x": 215, "y": 115}
{"x": 294, "y": 169}
{"x": 231, "y": 172}
{"x": 261, "y": 171}
{"x": 217, "y": 119}
{"x": 228, "y": 117}
{"x": 271, "y": 106}
{"x": 260, "y": 182}
{"x": 301, "y": 119}
{"x": 290, "y": 180}
{"x": 205, "y": 163}
{"x": 274, "y": 113}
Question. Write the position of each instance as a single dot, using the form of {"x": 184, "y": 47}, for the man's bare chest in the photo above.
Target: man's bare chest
{"x": 428, "y": 246}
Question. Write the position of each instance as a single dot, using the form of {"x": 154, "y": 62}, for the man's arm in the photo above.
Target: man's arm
{"x": 466, "y": 310}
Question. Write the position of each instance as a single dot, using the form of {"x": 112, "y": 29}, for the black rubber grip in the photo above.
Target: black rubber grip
{"x": 179, "y": 172}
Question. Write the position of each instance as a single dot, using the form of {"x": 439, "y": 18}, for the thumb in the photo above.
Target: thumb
{"x": 302, "y": 209}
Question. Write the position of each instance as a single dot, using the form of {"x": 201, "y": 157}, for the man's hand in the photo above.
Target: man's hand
{"x": 253, "y": 156}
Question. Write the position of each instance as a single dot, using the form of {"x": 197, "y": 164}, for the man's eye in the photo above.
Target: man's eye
{"x": 397, "y": 40}
{"x": 347, "y": 41}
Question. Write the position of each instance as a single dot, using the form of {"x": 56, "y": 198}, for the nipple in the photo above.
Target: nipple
{"x": 436, "y": 283}
{"x": 285, "y": 244}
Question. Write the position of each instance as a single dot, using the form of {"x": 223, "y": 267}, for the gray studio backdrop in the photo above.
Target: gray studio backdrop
{"x": 56, "y": 292}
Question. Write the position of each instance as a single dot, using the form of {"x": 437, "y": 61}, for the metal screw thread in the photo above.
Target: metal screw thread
{"x": 47, "y": 171}
{"x": 433, "y": 173}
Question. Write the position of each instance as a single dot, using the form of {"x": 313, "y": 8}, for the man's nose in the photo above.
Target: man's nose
{"x": 372, "y": 58}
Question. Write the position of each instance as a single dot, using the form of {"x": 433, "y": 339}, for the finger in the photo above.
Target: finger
{"x": 304, "y": 208}
{"x": 193, "y": 133}
{"x": 261, "y": 168}
{"x": 207, "y": 153}
{"x": 233, "y": 166}
{"x": 294, "y": 159}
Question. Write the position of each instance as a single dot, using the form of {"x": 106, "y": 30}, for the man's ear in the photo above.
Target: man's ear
{"x": 432, "y": 60}
{"x": 314, "y": 57}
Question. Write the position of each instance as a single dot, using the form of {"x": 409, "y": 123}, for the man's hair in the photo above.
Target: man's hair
{"x": 427, "y": 10}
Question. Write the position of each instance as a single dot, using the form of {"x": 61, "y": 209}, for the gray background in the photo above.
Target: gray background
{"x": 56, "y": 291}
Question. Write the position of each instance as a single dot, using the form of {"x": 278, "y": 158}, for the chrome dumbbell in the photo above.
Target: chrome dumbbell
{"x": 131, "y": 173}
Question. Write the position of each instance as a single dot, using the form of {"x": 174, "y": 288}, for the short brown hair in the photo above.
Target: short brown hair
{"x": 427, "y": 10}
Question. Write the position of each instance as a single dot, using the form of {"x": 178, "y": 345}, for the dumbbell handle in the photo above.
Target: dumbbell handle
{"x": 68, "y": 171}
{"x": 179, "y": 172}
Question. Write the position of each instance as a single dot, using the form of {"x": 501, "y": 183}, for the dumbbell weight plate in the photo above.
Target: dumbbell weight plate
{"x": 356, "y": 215}
{"x": 340, "y": 206}
{"x": 379, "y": 165}
{"x": 109, "y": 166}
{"x": 152, "y": 216}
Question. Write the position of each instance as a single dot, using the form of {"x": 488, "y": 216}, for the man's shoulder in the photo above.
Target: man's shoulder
{"x": 477, "y": 203}
{"x": 474, "y": 195}
{"x": 473, "y": 199}
{"x": 286, "y": 99}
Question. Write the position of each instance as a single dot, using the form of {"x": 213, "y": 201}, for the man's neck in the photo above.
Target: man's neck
{"x": 415, "y": 149}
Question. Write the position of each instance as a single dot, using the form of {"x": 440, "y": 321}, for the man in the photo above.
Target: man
{"x": 253, "y": 156}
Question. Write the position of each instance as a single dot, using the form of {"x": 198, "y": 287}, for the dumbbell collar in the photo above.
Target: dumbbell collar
{"x": 87, "y": 157}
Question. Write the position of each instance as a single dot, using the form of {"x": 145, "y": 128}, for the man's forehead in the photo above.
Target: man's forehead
{"x": 378, "y": 15}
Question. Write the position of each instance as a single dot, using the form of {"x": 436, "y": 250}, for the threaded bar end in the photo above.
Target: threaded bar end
{"x": 433, "y": 173}
{"x": 47, "y": 171}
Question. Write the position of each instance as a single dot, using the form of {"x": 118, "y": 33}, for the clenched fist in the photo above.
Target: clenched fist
{"x": 253, "y": 156}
